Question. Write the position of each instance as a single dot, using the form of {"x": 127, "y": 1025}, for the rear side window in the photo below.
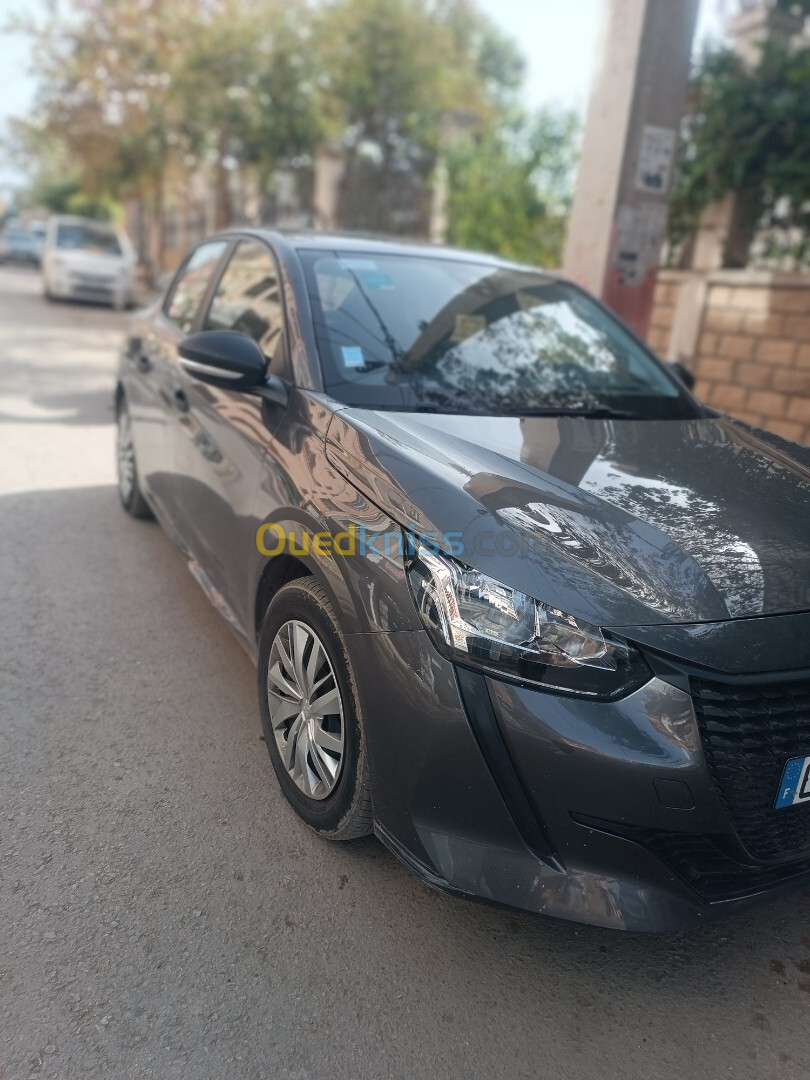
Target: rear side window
{"x": 248, "y": 299}
{"x": 191, "y": 282}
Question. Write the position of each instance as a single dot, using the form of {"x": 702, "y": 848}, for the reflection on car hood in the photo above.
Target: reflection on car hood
{"x": 620, "y": 522}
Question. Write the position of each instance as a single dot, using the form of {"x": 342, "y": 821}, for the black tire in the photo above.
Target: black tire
{"x": 129, "y": 491}
{"x": 346, "y": 812}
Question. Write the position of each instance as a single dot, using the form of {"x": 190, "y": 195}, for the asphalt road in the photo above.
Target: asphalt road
{"x": 163, "y": 913}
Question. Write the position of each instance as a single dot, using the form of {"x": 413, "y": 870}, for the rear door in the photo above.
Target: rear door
{"x": 224, "y": 433}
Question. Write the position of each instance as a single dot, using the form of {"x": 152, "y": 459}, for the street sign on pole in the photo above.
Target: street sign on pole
{"x": 619, "y": 217}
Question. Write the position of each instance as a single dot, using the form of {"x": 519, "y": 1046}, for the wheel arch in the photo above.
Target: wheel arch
{"x": 278, "y": 571}
{"x": 367, "y": 594}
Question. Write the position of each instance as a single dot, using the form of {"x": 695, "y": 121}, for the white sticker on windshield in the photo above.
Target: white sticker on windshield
{"x": 526, "y": 300}
{"x": 352, "y": 356}
{"x": 467, "y": 326}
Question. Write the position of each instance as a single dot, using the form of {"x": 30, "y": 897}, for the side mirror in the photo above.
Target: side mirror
{"x": 232, "y": 361}
{"x": 682, "y": 373}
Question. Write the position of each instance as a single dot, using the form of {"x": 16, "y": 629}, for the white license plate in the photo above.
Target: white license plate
{"x": 795, "y": 786}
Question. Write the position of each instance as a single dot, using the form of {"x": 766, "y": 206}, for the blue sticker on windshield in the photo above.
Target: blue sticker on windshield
{"x": 376, "y": 279}
{"x": 352, "y": 356}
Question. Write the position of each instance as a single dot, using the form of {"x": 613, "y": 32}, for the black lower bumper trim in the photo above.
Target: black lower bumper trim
{"x": 478, "y": 706}
{"x": 700, "y": 861}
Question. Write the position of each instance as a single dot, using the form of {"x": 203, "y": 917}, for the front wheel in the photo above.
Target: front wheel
{"x": 129, "y": 490}
{"x": 311, "y": 713}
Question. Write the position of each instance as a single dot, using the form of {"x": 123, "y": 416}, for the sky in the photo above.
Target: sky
{"x": 557, "y": 37}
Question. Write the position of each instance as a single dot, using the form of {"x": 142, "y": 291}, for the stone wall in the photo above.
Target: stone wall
{"x": 665, "y": 304}
{"x": 748, "y": 336}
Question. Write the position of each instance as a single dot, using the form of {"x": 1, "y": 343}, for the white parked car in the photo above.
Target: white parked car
{"x": 84, "y": 259}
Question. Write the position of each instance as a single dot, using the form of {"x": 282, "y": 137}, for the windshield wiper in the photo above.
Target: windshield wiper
{"x": 598, "y": 412}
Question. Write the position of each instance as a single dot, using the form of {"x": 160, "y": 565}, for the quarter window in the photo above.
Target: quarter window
{"x": 190, "y": 284}
{"x": 248, "y": 299}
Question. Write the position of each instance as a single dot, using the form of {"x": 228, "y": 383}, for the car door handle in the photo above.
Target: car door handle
{"x": 180, "y": 400}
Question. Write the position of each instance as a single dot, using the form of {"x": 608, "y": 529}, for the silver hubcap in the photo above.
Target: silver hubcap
{"x": 125, "y": 453}
{"x": 306, "y": 711}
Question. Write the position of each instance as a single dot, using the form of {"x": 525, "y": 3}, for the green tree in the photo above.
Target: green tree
{"x": 797, "y": 7}
{"x": 106, "y": 72}
{"x": 391, "y": 70}
{"x": 135, "y": 90}
{"x": 243, "y": 90}
{"x": 510, "y": 189}
{"x": 66, "y": 196}
{"x": 745, "y": 132}
{"x": 136, "y": 94}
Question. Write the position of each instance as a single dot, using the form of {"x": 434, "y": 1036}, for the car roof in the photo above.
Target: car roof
{"x": 371, "y": 244}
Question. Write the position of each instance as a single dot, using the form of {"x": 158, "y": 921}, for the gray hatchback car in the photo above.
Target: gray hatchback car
{"x": 519, "y": 603}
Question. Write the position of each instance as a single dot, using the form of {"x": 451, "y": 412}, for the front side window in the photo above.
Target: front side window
{"x": 190, "y": 284}
{"x": 449, "y": 335}
{"x": 248, "y": 299}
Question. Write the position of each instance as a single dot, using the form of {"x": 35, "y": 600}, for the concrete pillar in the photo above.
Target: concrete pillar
{"x": 330, "y": 168}
{"x": 455, "y": 124}
{"x": 618, "y": 220}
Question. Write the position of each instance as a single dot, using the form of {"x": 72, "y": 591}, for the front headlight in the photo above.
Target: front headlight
{"x": 478, "y": 622}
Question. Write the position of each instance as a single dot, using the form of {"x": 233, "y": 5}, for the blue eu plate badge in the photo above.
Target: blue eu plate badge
{"x": 795, "y": 786}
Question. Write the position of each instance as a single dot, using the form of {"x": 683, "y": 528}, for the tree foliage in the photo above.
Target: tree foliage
{"x": 391, "y": 71}
{"x": 66, "y": 196}
{"x": 510, "y": 188}
{"x": 133, "y": 92}
{"x": 794, "y": 7}
{"x": 745, "y": 132}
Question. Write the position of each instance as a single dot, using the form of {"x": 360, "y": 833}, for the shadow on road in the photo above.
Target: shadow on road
{"x": 83, "y": 407}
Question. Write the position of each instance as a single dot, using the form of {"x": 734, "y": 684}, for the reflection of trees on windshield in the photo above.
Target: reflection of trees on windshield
{"x": 519, "y": 360}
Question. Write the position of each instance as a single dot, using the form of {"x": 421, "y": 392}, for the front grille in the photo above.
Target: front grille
{"x": 703, "y": 864}
{"x": 749, "y": 732}
{"x": 95, "y": 290}
{"x": 85, "y": 278}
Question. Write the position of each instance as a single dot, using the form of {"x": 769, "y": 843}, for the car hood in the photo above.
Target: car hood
{"x": 620, "y": 522}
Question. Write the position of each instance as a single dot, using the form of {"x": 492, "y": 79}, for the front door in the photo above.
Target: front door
{"x": 224, "y": 433}
{"x": 156, "y": 359}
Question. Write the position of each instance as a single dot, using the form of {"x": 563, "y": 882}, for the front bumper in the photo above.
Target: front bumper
{"x": 602, "y": 813}
{"x": 96, "y": 288}
{"x": 20, "y": 258}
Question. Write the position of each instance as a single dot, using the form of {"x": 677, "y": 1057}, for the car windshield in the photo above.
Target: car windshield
{"x": 430, "y": 333}
{"x": 85, "y": 237}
